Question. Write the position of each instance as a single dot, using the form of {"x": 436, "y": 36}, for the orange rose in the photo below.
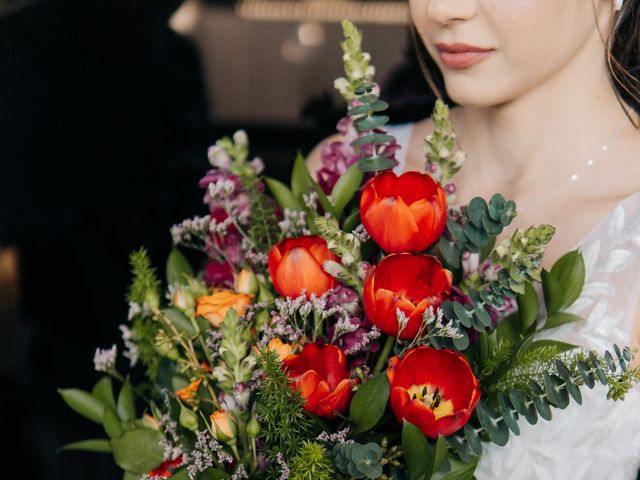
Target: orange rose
{"x": 224, "y": 429}
{"x": 215, "y": 306}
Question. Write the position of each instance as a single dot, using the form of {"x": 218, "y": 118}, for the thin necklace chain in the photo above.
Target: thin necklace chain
{"x": 573, "y": 178}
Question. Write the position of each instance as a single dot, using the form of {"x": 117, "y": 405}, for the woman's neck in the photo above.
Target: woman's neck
{"x": 547, "y": 131}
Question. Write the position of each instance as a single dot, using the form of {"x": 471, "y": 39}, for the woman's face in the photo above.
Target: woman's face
{"x": 519, "y": 44}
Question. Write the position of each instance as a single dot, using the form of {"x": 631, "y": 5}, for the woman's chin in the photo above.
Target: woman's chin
{"x": 477, "y": 94}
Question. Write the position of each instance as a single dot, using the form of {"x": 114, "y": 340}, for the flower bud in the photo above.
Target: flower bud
{"x": 246, "y": 282}
{"x": 150, "y": 422}
{"x": 188, "y": 418}
{"x": 223, "y": 427}
{"x": 253, "y": 427}
{"x": 164, "y": 346}
{"x": 240, "y": 138}
{"x": 183, "y": 300}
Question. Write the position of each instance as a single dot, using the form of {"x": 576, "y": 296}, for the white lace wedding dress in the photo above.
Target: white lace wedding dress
{"x": 601, "y": 438}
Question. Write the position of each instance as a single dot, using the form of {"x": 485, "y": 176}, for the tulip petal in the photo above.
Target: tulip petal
{"x": 336, "y": 401}
{"x": 390, "y": 223}
{"x": 298, "y": 271}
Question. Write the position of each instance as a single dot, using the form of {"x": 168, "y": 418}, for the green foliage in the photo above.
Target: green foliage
{"x": 439, "y": 145}
{"x": 521, "y": 257}
{"x": 496, "y": 357}
{"x": 178, "y": 268}
{"x": 83, "y": 403}
{"x": 263, "y": 230}
{"x": 550, "y": 386}
{"x": 356, "y": 62}
{"x": 369, "y": 403}
{"x": 312, "y": 463}
{"x": 235, "y": 350}
{"x": 346, "y": 246}
{"x": 479, "y": 227}
{"x": 357, "y": 460}
{"x": 284, "y": 423}
{"x": 97, "y": 445}
{"x": 145, "y": 285}
{"x": 345, "y": 188}
{"x": 138, "y": 450}
{"x": 417, "y": 453}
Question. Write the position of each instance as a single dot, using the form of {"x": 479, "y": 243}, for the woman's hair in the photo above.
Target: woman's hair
{"x": 623, "y": 59}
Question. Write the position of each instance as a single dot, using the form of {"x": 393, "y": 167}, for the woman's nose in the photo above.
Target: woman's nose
{"x": 446, "y": 12}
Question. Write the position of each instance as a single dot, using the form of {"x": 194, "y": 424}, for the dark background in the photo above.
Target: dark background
{"x": 103, "y": 137}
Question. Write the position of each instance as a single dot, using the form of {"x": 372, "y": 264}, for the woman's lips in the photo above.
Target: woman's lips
{"x": 461, "y": 55}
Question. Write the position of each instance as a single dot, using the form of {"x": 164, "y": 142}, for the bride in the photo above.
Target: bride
{"x": 549, "y": 97}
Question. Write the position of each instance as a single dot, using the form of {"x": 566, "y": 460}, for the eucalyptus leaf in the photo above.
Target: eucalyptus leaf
{"x": 83, "y": 403}
{"x": 282, "y": 194}
{"x": 138, "y": 451}
{"x": 97, "y": 445}
{"x": 372, "y": 138}
{"x": 375, "y": 164}
{"x": 345, "y": 188}
{"x": 103, "y": 391}
{"x": 369, "y": 402}
{"x": 126, "y": 403}
{"x": 417, "y": 454}
{"x": 178, "y": 268}
{"x": 369, "y": 123}
{"x": 569, "y": 270}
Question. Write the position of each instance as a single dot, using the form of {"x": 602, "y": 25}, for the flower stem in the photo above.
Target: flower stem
{"x": 386, "y": 350}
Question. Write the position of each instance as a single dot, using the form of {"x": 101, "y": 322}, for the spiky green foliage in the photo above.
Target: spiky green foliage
{"x": 439, "y": 146}
{"x": 312, "y": 463}
{"x": 521, "y": 256}
{"x": 496, "y": 358}
{"x": 263, "y": 230}
{"x": 558, "y": 385}
{"x": 145, "y": 285}
{"x": 284, "y": 423}
{"x": 235, "y": 349}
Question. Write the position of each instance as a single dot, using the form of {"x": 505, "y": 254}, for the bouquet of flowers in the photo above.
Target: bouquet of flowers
{"x": 361, "y": 325}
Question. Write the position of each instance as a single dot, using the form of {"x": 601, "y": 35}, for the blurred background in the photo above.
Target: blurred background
{"x": 107, "y": 108}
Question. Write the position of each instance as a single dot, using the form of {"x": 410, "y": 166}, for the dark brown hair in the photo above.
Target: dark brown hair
{"x": 623, "y": 59}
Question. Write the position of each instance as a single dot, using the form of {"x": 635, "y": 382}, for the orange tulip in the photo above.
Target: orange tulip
{"x": 405, "y": 213}
{"x": 295, "y": 265}
{"x": 406, "y": 282}
{"x": 435, "y": 390}
{"x": 215, "y": 306}
{"x": 186, "y": 394}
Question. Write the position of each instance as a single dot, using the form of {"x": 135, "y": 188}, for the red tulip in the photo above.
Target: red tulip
{"x": 320, "y": 374}
{"x": 165, "y": 470}
{"x": 295, "y": 264}
{"x": 405, "y": 213}
{"x": 433, "y": 389}
{"x": 410, "y": 283}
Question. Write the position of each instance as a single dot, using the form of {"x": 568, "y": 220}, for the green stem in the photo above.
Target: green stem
{"x": 386, "y": 350}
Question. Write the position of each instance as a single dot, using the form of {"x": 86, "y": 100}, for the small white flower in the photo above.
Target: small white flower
{"x": 104, "y": 360}
{"x": 218, "y": 157}
{"x": 241, "y": 138}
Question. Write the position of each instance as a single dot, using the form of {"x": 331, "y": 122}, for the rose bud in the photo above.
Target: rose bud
{"x": 433, "y": 389}
{"x": 246, "y": 282}
{"x": 407, "y": 283}
{"x": 405, "y": 213}
{"x": 295, "y": 265}
{"x": 223, "y": 426}
{"x": 320, "y": 373}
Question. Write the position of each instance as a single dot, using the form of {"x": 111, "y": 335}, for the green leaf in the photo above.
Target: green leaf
{"x": 345, "y": 188}
{"x": 553, "y": 295}
{"x": 300, "y": 178}
{"x": 509, "y": 328}
{"x": 373, "y": 138}
{"x": 569, "y": 270}
{"x": 377, "y": 106}
{"x": 497, "y": 430}
{"x": 178, "y": 268}
{"x": 473, "y": 439}
{"x": 487, "y": 249}
{"x": 282, "y": 194}
{"x": 528, "y": 307}
{"x": 439, "y": 455}
{"x": 103, "y": 391}
{"x": 180, "y": 321}
{"x": 83, "y": 403}
{"x": 459, "y": 470}
{"x": 324, "y": 201}
{"x": 111, "y": 423}
{"x": 138, "y": 451}
{"x": 369, "y": 402}
{"x": 96, "y": 445}
{"x": 417, "y": 454}
{"x": 352, "y": 221}
{"x": 375, "y": 164}
{"x": 126, "y": 403}
{"x": 561, "y": 318}
{"x": 369, "y": 123}
{"x": 133, "y": 476}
